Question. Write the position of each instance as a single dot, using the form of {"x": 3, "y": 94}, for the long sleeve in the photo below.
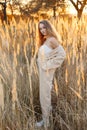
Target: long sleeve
{"x": 54, "y": 59}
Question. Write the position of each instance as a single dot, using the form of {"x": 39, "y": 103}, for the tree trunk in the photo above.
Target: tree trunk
{"x": 79, "y": 14}
{"x": 4, "y": 11}
{"x": 54, "y": 11}
{"x": 5, "y": 16}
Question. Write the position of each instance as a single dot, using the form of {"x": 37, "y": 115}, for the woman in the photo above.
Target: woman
{"x": 50, "y": 56}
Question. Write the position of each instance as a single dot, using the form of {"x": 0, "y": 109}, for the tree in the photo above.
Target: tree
{"x": 79, "y": 6}
{"x": 54, "y": 5}
{"x": 3, "y": 3}
{"x": 34, "y": 6}
{"x": 31, "y": 7}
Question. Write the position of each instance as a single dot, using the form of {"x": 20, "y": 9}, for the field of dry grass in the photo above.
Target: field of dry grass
{"x": 19, "y": 82}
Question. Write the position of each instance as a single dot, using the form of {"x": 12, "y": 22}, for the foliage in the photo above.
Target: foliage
{"x": 32, "y": 6}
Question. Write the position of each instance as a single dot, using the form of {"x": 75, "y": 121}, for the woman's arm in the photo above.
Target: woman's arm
{"x": 56, "y": 59}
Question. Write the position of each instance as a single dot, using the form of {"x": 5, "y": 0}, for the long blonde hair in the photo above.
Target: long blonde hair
{"x": 50, "y": 30}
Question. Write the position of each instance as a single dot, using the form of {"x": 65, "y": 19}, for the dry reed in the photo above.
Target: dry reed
{"x": 19, "y": 82}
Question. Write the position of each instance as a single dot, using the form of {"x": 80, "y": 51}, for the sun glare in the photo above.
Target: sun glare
{"x": 25, "y": 1}
{"x": 71, "y": 8}
{"x": 72, "y": 11}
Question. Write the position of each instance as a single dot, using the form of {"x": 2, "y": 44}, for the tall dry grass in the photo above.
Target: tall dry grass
{"x": 19, "y": 82}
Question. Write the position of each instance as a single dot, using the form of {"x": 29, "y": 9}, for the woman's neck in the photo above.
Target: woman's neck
{"x": 46, "y": 37}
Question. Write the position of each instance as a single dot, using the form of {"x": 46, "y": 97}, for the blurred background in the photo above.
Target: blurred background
{"x": 19, "y": 82}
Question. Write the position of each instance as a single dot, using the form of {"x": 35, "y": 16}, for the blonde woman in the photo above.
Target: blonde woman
{"x": 50, "y": 56}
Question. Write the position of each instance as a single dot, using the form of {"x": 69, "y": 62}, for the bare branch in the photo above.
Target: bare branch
{"x": 74, "y": 4}
{"x": 80, "y": 8}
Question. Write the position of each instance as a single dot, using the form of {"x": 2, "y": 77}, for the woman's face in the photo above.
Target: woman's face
{"x": 43, "y": 29}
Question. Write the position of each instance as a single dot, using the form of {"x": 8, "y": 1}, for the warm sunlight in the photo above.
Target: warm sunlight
{"x": 43, "y": 65}
{"x": 25, "y": 1}
{"x": 71, "y": 8}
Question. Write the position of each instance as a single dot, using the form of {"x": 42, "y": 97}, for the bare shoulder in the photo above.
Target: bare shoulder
{"x": 53, "y": 42}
